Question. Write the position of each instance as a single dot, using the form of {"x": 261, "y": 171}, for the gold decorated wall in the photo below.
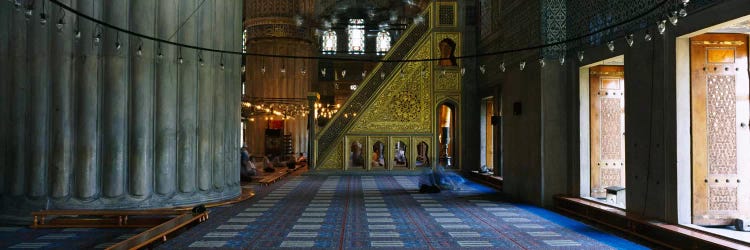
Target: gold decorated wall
{"x": 404, "y": 108}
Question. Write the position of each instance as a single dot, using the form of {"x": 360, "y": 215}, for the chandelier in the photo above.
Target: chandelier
{"x": 326, "y": 110}
{"x": 273, "y": 108}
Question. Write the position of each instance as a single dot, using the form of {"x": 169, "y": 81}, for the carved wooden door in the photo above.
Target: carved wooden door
{"x": 607, "y": 103}
{"x": 720, "y": 131}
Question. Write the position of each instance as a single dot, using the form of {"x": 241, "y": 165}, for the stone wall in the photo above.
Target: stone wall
{"x": 542, "y": 146}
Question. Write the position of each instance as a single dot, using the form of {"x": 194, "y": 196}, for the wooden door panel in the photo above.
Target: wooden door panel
{"x": 720, "y": 131}
{"x": 607, "y": 105}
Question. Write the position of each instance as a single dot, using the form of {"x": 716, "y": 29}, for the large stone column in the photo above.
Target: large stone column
{"x": 276, "y": 30}
{"x": 94, "y": 125}
{"x": 312, "y": 98}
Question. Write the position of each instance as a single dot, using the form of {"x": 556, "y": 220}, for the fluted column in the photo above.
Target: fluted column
{"x": 141, "y": 126}
{"x": 88, "y": 125}
{"x": 312, "y": 98}
{"x": 114, "y": 99}
{"x": 38, "y": 85}
{"x": 206, "y": 94}
{"x": 186, "y": 91}
{"x": 87, "y": 71}
{"x": 166, "y": 100}
{"x": 61, "y": 118}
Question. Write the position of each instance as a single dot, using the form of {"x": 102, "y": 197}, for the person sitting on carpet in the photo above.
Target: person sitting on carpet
{"x": 447, "y": 179}
{"x": 267, "y": 166}
{"x": 247, "y": 167}
{"x": 301, "y": 160}
{"x": 428, "y": 182}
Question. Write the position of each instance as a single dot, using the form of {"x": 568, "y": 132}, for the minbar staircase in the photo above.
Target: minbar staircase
{"x": 329, "y": 136}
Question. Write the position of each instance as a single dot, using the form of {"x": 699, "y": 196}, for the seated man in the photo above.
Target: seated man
{"x": 301, "y": 160}
{"x": 247, "y": 167}
{"x": 248, "y": 171}
{"x": 267, "y": 165}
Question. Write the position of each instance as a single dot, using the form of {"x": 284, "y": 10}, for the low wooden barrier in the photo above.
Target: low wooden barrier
{"x": 273, "y": 177}
{"x": 280, "y": 173}
{"x": 160, "y": 232}
{"x": 100, "y": 218}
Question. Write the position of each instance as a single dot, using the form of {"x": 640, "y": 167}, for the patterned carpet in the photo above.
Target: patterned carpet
{"x": 67, "y": 238}
{"x": 387, "y": 212}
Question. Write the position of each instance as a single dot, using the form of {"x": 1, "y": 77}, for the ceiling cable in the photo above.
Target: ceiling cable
{"x": 501, "y": 52}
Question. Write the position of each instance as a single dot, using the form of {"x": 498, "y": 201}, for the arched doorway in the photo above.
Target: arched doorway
{"x": 446, "y": 130}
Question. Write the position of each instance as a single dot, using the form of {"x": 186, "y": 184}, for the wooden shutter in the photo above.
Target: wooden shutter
{"x": 720, "y": 131}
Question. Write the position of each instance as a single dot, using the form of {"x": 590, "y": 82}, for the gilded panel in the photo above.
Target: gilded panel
{"x": 334, "y": 159}
{"x": 447, "y": 96}
{"x": 378, "y": 162}
{"x": 408, "y": 162}
{"x": 403, "y": 104}
{"x": 448, "y": 80}
{"x": 277, "y": 30}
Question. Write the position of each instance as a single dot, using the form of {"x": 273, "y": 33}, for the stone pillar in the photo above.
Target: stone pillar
{"x": 166, "y": 100}
{"x": 142, "y": 73}
{"x": 312, "y": 98}
{"x": 208, "y": 70}
{"x": 114, "y": 96}
{"x": 89, "y": 125}
{"x": 275, "y": 30}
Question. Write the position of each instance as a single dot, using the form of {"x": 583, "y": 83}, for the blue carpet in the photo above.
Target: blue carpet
{"x": 67, "y": 238}
{"x": 581, "y": 228}
{"x": 380, "y": 211}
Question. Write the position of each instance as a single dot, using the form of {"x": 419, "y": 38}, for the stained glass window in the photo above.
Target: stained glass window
{"x": 383, "y": 42}
{"x": 329, "y": 42}
{"x": 356, "y": 32}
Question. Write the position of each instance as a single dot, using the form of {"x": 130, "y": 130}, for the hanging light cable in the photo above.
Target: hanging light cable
{"x": 117, "y": 42}
{"x": 507, "y": 51}
{"x": 61, "y": 22}
{"x": 139, "y": 52}
{"x": 43, "y": 15}
{"x": 179, "y": 55}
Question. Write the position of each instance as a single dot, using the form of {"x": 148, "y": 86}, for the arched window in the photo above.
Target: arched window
{"x": 356, "y": 32}
{"x": 383, "y": 42}
{"x": 329, "y": 42}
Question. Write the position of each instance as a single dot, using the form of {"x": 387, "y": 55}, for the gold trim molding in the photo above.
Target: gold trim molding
{"x": 723, "y": 43}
